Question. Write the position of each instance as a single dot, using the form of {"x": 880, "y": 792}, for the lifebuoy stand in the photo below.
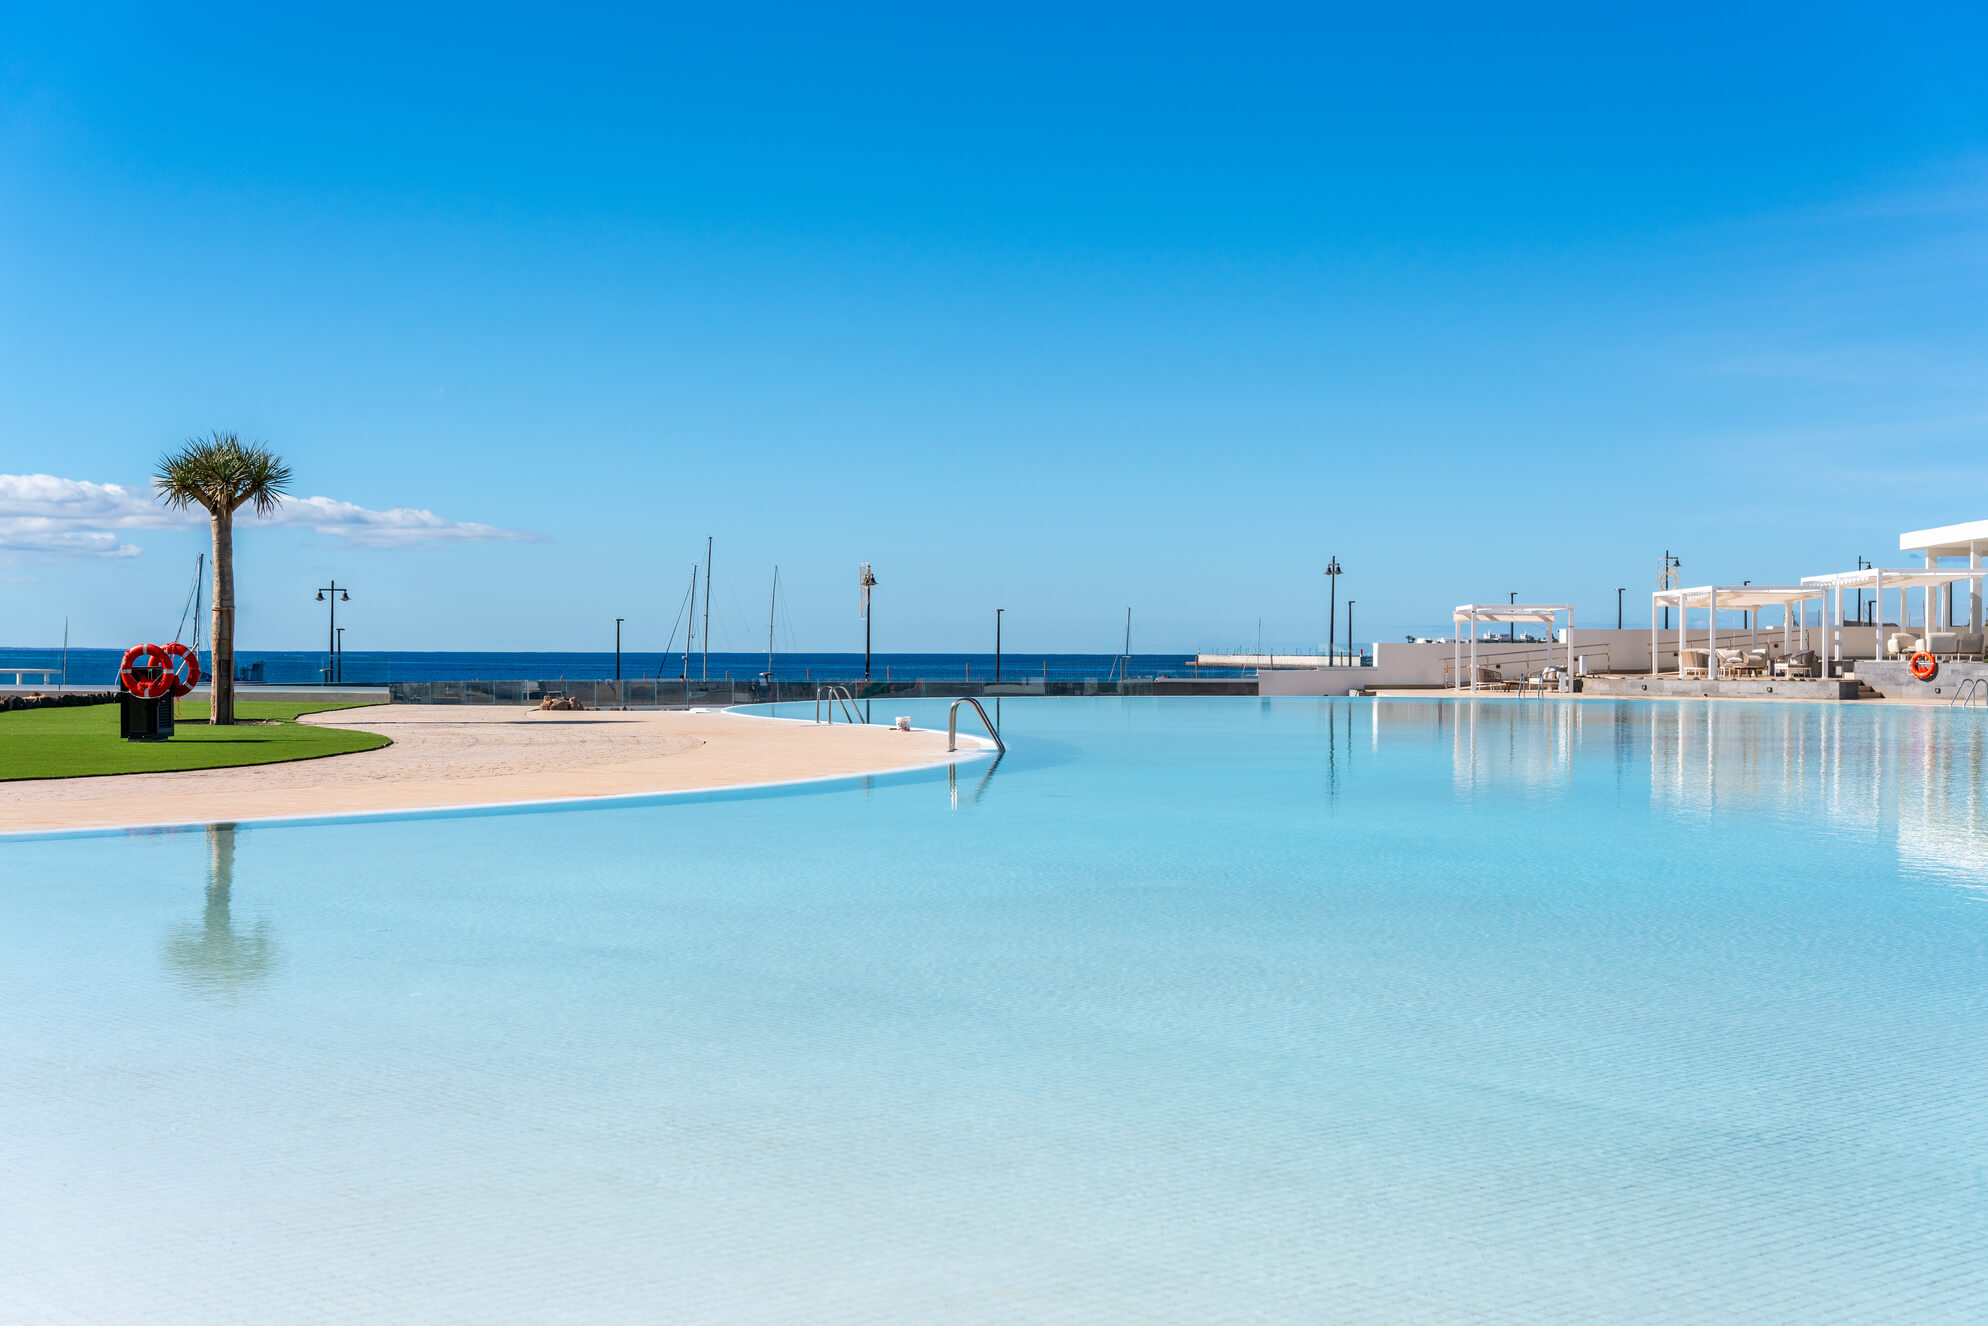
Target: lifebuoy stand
{"x": 144, "y": 717}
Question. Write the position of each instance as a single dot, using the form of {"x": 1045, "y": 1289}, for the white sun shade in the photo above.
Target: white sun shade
{"x": 1903, "y": 578}
{"x": 1542, "y": 613}
{"x": 1736, "y": 597}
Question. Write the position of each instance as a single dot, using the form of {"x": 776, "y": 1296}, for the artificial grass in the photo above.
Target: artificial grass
{"x": 81, "y": 742}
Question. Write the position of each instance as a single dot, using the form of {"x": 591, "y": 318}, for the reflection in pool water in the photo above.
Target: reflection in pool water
{"x": 1187, "y": 1011}
{"x": 215, "y": 958}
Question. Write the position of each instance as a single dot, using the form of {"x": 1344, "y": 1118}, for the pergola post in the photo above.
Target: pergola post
{"x": 1877, "y": 617}
{"x": 1473, "y": 650}
{"x": 1836, "y": 630}
{"x": 1570, "y": 649}
{"x": 1712, "y": 638}
{"x": 1456, "y": 656}
{"x": 1653, "y": 635}
{"x": 1974, "y": 586}
{"x": 1832, "y": 639}
{"x": 1682, "y": 603}
{"x": 1929, "y": 602}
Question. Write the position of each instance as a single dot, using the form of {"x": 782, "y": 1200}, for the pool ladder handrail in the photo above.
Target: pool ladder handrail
{"x": 1971, "y": 691}
{"x": 835, "y": 695}
{"x": 952, "y": 725}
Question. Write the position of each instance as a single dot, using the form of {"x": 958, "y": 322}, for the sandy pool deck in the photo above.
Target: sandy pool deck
{"x": 450, "y": 757}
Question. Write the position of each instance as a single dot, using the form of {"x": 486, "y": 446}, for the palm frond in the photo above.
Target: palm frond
{"x": 221, "y": 472}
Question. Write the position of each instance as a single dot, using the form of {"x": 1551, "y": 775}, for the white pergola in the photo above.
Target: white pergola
{"x": 1878, "y": 579}
{"x": 1968, "y": 539}
{"x": 1731, "y": 598}
{"x": 1475, "y": 613}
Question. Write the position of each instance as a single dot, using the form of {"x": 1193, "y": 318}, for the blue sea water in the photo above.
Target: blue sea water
{"x": 98, "y": 667}
{"x": 1183, "y": 1011}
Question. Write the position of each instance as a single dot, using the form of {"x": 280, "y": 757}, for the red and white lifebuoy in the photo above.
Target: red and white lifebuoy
{"x": 146, "y": 688}
{"x": 182, "y": 668}
{"x": 1924, "y": 666}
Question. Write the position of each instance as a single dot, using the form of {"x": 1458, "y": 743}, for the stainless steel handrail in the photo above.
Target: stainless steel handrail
{"x": 835, "y": 694}
{"x": 952, "y": 725}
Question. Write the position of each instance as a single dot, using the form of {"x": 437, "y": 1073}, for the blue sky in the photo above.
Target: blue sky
{"x": 1058, "y": 309}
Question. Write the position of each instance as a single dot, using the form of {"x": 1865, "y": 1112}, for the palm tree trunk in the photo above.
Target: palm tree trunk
{"x": 221, "y": 640}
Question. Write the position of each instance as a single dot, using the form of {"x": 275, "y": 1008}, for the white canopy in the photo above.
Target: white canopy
{"x": 1474, "y": 613}
{"x": 1735, "y": 597}
{"x": 1510, "y": 612}
{"x": 1872, "y": 576}
{"x": 1966, "y": 539}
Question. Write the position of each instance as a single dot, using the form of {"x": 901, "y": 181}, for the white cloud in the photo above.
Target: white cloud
{"x": 400, "y": 527}
{"x": 41, "y": 513}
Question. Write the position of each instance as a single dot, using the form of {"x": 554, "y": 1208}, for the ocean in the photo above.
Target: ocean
{"x": 98, "y": 667}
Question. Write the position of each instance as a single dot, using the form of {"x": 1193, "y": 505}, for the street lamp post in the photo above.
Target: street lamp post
{"x": 1332, "y": 574}
{"x": 331, "y": 632}
{"x": 997, "y": 642}
{"x": 1620, "y": 590}
{"x": 1511, "y": 628}
{"x": 1665, "y": 580}
{"x": 617, "y": 659}
{"x": 867, "y": 582}
{"x": 338, "y": 659}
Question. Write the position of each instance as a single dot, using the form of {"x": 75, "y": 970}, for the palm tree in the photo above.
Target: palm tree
{"x": 222, "y": 473}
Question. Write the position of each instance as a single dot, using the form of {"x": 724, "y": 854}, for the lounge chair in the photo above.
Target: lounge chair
{"x": 1734, "y": 663}
{"x": 1693, "y": 663}
{"x": 1899, "y": 642}
{"x": 1802, "y": 664}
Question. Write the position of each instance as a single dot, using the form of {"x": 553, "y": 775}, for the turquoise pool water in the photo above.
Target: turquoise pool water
{"x": 1186, "y": 1011}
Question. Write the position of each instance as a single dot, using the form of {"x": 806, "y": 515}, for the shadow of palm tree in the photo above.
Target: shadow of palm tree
{"x": 214, "y": 959}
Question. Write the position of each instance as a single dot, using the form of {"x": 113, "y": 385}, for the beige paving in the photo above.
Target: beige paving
{"x": 450, "y": 756}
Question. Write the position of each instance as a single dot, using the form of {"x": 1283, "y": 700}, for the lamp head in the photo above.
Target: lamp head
{"x": 345, "y": 595}
{"x": 320, "y": 596}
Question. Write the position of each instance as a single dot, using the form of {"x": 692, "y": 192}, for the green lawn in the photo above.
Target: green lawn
{"x": 72, "y": 743}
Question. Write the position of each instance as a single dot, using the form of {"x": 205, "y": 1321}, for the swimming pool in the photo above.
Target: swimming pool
{"x": 1185, "y": 1010}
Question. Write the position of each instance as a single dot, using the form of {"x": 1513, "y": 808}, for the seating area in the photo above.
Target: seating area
{"x": 1947, "y": 646}
{"x": 1471, "y": 674}
{"x": 1888, "y": 592}
{"x": 1753, "y": 651}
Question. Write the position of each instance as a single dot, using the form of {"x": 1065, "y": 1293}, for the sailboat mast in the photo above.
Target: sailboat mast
{"x": 770, "y": 606}
{"x": 1127, "y": 672}
{"x": 707, "y": 607}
